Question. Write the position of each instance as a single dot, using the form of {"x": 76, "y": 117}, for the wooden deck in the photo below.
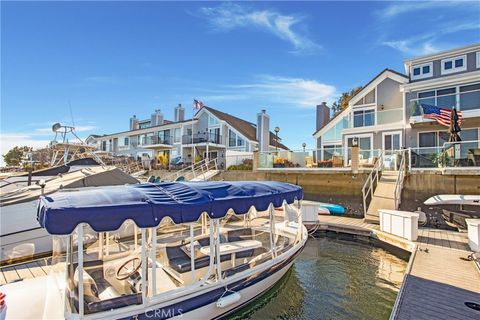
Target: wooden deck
{"x": 26, "y": 270}
{"x": 439, "y": 279}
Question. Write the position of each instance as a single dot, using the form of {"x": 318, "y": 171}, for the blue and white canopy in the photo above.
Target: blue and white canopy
{"x": 106, "y": 208}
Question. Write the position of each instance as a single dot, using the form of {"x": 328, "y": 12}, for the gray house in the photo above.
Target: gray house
{"x": 210, "y": 134}
{"x": 387, "y": 115}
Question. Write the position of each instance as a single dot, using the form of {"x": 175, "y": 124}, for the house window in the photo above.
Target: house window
{"x": 446, "y": 98}
{"x": 455, "y": 64}
{"x": 363, "y": 118}
{"x": 478, "y": 59}
{"x": 176, "y": 135}
{"x": 432, "y": 139}
{"x": 125, "y": 141}
{"x": 427, "y": 98}
{"x": 421, "y": 71}
{"x": 329, "y": 151}
{"x": 470, "y": 97}
{"x": 232, "y": 138}
{"x": 212, "y": 121}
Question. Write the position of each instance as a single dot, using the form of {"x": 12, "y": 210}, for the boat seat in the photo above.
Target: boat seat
{"x": 99, "y": 295}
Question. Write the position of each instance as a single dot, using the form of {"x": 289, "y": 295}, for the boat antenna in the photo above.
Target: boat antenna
{"x": 71, "y": 113}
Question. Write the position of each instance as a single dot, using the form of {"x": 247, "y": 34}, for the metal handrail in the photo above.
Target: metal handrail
{"x": 399, "y": 181}
{"x": 374, "y": 174}
{"x": 203, "y": 166}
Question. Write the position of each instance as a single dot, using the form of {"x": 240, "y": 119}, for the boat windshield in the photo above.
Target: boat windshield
{"x": 130, "y": 265}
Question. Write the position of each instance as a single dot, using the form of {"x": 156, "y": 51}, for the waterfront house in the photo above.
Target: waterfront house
{"x": 210, "y": 134}
{"x": 386, "y": 114}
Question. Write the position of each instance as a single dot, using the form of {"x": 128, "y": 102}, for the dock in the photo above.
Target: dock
{"x": 25, "y": 270}
{"x": 439, "y": 278}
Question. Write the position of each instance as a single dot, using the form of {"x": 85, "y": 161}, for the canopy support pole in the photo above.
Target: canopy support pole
{"x": 80, "y": 269}
{"x": 144, "y": 264}
{"x": 153, "y": 257}
{"x": 100, "y": 252}
{"x": 272, "y": 230}
{"x": 192, "y": 253}
{"x": 217, "y": 249}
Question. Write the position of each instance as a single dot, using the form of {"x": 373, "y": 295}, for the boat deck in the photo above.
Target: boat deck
{"x": 25, "y": 270}
{"x": 439, "y": 279}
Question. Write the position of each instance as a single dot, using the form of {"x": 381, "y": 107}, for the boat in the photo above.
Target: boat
{"x": 192, "y": 250}
{"x": 20, "y": 235}
{"x": 456, "y": 219}
{"x": 335, "y": 209}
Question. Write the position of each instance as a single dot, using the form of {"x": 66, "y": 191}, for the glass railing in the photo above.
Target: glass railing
{"x": 382, "y": 116}
{"x": 389, "y": 116}
{"x": 202, "y": 138}
{"x": 152, "y": 140}
{"x": 463, "y": 101}
{"x": 451, "y": 154}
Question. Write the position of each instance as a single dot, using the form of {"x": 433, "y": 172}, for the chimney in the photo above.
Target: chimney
{"x": 133, "y": 123}
{"x": 157, "y": 118}
{"x": 263, "y": 130}
{"x": 179, "y": 113}
{"x": 323, "y": 115}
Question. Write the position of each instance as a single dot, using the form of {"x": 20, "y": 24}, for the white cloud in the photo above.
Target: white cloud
{"x": 399, "y": 8}
{"x": 435, "y": 32}
{"x": 411, "y": 48}
{"x": 295, "y": 92}
{"x": 230, "y": 16}
{"x": 10, "y": 140}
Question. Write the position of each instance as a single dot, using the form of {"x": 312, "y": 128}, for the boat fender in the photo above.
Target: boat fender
{"x": 225, "y": 301}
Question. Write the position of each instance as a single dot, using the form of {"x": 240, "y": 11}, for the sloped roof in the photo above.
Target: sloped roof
{"x": 362, "y": 92}
{"x": 246, "y": 128}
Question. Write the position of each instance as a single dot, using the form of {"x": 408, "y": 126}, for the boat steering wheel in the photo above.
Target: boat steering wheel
{"x": 124, "y": 272}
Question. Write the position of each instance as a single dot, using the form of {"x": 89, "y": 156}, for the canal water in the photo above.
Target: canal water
{"x": 333, "y": 278}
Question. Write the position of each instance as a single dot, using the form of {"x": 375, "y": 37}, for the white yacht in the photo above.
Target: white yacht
{"x": 20, "y": 235}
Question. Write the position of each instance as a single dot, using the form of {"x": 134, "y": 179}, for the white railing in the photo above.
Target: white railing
{"x": 193, "y": 171}
{"x": 368, "y": 187}
{"x": 400, "y": 179}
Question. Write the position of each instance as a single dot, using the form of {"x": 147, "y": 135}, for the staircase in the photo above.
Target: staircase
{"x": 200, "y": 171}
{"x": 383, "y": 188}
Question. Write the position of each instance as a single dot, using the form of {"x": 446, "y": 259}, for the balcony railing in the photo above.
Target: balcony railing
{"x": 381, "y": 116}
{"x": 451, "y": 154}
{"x": 463, "y": 101}
{"x": 202, "y": 138}
{"x": 156, "y": 140}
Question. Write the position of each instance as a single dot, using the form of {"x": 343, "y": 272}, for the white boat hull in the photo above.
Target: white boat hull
{"x": 443, "y": 199}
{"x": 21, "y": 236}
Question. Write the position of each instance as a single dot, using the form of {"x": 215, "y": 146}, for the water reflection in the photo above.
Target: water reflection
{"x": 334, "y": 279}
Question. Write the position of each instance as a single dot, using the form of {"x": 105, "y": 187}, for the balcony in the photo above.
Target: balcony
{"x": 202, "y": 138}
{"x": 154, "y": 140}
{"x": 465, "y": 99}
{"x": 371, "y": 117}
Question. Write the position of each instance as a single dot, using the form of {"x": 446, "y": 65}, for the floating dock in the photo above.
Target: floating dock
{"x": 439, "y": 278}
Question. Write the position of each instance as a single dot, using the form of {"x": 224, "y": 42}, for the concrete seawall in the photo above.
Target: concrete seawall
{"x": 345, "y": 188}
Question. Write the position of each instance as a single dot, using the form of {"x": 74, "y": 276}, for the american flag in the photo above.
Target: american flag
{"x": 197, "y": 104}
{"x": 442, "y": 115}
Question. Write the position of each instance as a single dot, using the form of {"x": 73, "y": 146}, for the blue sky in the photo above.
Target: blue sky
{"x": 110, "y": 60}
